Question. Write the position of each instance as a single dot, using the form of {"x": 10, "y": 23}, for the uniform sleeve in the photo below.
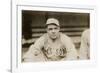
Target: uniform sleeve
{"x": 34, "y": 53}
{"x": 84, "y": 47}
{"x": 71, "y": 51}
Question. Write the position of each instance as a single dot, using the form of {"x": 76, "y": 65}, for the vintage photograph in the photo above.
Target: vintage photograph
{"x": 55, "y": 36}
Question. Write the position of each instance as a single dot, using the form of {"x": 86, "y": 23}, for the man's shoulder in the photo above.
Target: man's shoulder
{"x": 42, "y": 38}
{"x": 66, "y": 40}
{"x": 64, "y": 36}
{"x": 86, "y": 32}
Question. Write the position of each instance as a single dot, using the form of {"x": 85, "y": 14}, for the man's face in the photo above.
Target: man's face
{"x": 53, "y": 31}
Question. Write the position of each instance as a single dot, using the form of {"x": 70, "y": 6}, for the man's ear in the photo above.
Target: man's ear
{"x": 59, "y": 28}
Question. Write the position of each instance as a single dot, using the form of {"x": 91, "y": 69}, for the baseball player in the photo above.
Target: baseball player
{"x": 52, "y": 46}
{"x": 85, "y": 45}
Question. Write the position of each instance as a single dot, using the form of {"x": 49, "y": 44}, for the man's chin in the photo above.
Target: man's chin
{"x": 53, "y": 38}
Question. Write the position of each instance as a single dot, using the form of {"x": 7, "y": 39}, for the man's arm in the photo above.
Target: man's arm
{"x": 84, "y": 47}
{"x": 71, "y": 50}
{"x": 34, "y": 53}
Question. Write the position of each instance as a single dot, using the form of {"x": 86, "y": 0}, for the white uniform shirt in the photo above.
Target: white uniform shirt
{"x": 46, "y": 50}
{"x": 85, "y": 45}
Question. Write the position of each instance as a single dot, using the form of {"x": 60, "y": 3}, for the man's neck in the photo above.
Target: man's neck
{"x": 53, "y": 40}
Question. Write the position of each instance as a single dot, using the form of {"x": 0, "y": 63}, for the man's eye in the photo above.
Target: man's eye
{"x": 50, "y": 28}
{"x": 55, "y": 28}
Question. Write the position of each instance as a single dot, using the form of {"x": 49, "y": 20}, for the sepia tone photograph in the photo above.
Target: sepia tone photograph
{"x": 55, "y": 36}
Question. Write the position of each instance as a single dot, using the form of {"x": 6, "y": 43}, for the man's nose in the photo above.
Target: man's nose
{"x": 53, "y": 31}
